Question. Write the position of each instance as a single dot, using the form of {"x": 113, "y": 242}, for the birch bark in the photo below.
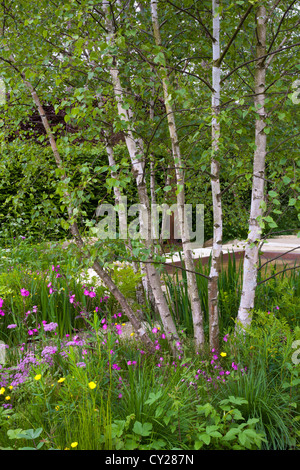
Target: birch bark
{"x": 252, "y": 245}
{"x": 136, "y": 154}
{"x": 199, "y": 338}
{"x": 215, "y": 188}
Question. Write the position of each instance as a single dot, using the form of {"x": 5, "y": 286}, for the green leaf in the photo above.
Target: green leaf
{"x": 205, "y": 438}
{"x": 142, "y": 429}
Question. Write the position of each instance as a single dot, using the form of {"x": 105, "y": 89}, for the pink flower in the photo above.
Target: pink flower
{"x": 25, "y": 293}
{"x": 30, "y": 332}
{"x": 1, "y": 303}
{"x": 104, "y": 326}
{"x": 225, "y": 338}
{"x": 12, "y": 326}
{"x": 92, "y": 294}
{"x": 72, "y": 298}
{"x": 154, "y": 330}
{"x": 2, "y": 313}
{"x": 163, "y": 336}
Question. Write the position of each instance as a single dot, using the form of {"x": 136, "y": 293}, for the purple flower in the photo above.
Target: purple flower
{"x": 24, "y": 293}
{"x": 2, "y": 313}
{"x": 1, "y": 303}
{"x": 49, "y": 350}
{"x": 81, "y": 364}
{"x": 13, "y": 325}
{"x": 72, "y": 298}
{"x": 50, "y": 326}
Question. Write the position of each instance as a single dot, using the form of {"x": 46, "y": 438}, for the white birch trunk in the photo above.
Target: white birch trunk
{"x": 252, "y": 246}
{"x": 189, "y": 263}
{"x": 135, "y": 152}
{"x": 140, "y": 296}
{"x": 216, "y": 189}
{"x": 141, "y": 333}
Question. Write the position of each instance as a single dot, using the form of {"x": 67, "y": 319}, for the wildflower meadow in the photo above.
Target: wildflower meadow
{"x": 75, "y": 377}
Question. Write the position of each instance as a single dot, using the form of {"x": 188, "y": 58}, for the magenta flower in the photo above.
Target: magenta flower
{"x": 2, "y": 313}
{"x": 24, "y": 293}
{"x": 225, "y": 338}
{"x": 104, "y": 326}
{"x": 1, "y": 303}
{"x": 30, "y": 332}
{"x": 50, "y": 326}
{"x": 72, "y": 298}
{"x": 154, "y": 330}
{"x": 92, "y": 294}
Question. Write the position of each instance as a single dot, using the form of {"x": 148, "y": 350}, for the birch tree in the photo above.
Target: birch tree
{"x": 215, "y": 186}
{"x": 136, "y": 156}
{"x": 178, "y": 164}
{"x": 258, "y": 182}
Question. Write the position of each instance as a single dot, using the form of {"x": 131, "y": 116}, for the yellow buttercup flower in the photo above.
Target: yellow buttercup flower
{"x": 7, "y": 398}
{"x": 61, "y": 380}
{"x": 2, "y": 390}
{"x": 74, "y": 444}
{"x": 92, "y": 385}
{"x": 223, "y": 354}
{"x": 10, "y": 387}
{"x": 132, "y": 334}
{"x": 38, "y": 377}
{"x": 57, "y": 407}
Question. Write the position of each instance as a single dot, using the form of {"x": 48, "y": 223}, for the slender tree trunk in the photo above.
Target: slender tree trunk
{"x": 141, "y": 333}
{"x": 252, "y": 246}
{"x": 189, "y": 263}
{"x": 136, "y": 154}
{"x": 140, "y": 295}
{"x": 216, "y": 189}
